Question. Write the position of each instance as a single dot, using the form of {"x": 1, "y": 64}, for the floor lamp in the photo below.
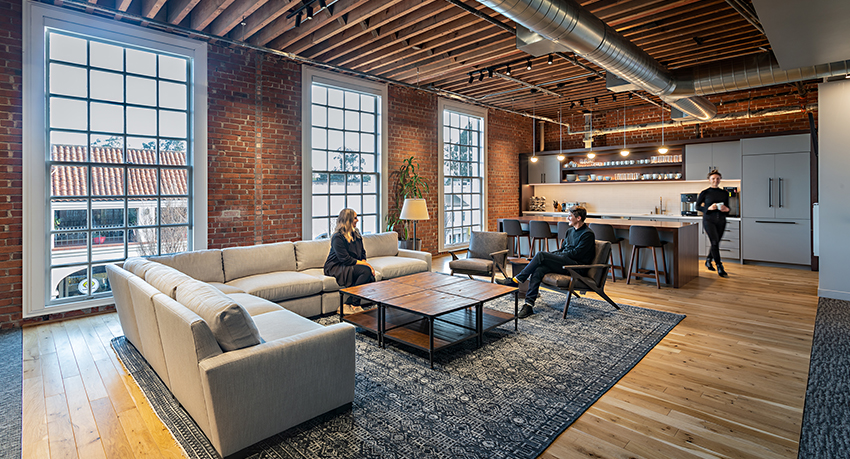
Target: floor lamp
{"x": 414, "y": 209}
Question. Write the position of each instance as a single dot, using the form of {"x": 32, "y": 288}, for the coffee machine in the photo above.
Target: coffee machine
{"x": 689, "y": 204}
{"x": 734, "y": 201}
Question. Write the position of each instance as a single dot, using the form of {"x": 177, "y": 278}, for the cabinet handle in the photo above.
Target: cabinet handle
{"x": 770, "y": 192}
{"x": 779, "y": 223}
{"x": 780, "y": 192}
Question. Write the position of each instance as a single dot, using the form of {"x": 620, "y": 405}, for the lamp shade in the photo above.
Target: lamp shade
{"x": 414, "y": 209}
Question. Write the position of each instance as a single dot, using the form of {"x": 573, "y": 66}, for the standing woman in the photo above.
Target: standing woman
{"x": 347, "y": 259}
{"x": 713, "y": 202}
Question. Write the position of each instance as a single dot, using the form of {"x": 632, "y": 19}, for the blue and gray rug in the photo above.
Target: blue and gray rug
{"x": 11, "y": 374}
{"x": 509, "y": 399}
{"x": 826, "y": 417}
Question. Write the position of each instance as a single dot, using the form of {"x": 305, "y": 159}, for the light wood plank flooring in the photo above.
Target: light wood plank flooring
{"x": 728, "y": 381}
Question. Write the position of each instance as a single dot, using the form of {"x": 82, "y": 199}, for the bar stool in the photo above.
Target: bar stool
{"x": 515, "y": 231}
{"x": 605, "y": 232}
{"x": 540, "y": 232}
{"x": 646, "y": 237}
{"x": 563, "y": 227}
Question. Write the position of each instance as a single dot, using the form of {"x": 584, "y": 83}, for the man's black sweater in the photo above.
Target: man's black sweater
{"x": 580, "y": 245}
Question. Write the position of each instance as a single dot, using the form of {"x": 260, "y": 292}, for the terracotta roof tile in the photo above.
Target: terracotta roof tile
{"x": 69, "y": 180}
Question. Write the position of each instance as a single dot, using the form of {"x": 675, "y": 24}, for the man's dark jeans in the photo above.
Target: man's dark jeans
{"x": 543, "y": 263}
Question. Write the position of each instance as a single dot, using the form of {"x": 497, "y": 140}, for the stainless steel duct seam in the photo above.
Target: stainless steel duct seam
{"x": 565, "y": 22}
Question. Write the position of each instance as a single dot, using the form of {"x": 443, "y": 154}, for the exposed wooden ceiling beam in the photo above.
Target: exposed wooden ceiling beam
{"x": 179, "y": 9}
{"x": 234, "y": 15}
{"x": 283, "y": 31}
{"x": 151, "y": 7}
{"x": 207, "y": 11}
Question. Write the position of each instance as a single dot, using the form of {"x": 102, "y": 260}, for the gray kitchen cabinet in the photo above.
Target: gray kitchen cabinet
{"x": 547, "y": 169}
{"x": 775, "y": 199}
{"x": 702, "y": 158}
{"x": 730, "y": 246}
{"x": 776, "y": 186}
{"x": 778, "y": 241}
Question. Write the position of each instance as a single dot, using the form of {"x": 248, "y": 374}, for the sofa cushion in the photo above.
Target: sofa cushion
{"x": 283, "y": 324}
{"x": 254, "y": 305}
{"x": 203, "y": 265}
{"x": 328, "y": 283}
{"x": 471, "y": 264}
{"x": 257, "y": 259}
{"x": 166, "y": 279}
{"x": 231, "y": 325}
{"x": 392, "y": 267}
{"x": 311, "y": 254}
{"x": 279, "y": 286}
{"x": 381, "y": 244}
{"x": 226, "y": 289}
{"x": 138, "y": 266}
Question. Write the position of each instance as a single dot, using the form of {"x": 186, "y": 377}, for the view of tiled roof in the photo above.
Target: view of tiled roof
{"x": 107, "y": 180}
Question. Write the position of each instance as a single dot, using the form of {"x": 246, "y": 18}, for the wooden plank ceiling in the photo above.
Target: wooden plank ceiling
{"x": 438, "y": 43}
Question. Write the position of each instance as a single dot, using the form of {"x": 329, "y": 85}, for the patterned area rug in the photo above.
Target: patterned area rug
{"x": 826, "y": 417}
{"x": 509, "y": 399}
{"x": 11, "y": 374}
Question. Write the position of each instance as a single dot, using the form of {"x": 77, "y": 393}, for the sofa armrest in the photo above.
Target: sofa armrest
{"x": 419, "y": 255}
{"x": 256, "y": 392}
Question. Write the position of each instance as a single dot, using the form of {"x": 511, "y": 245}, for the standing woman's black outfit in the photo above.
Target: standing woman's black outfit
{"x": 342, "y": 263}
{"x": 714, "y": 222}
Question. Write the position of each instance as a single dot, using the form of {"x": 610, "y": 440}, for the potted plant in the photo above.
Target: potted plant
{"x": 408, "y": 184}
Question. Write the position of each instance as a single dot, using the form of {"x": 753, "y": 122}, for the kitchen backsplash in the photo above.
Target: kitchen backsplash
{"x": 624, "y": 197}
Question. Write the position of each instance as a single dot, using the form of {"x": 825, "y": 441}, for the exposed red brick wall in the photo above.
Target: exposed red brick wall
{"x": 412, "y": 131}
{"x": 508, "y": 135}
{"x": 741, "y": 101}
{"x": 11, "y": 165}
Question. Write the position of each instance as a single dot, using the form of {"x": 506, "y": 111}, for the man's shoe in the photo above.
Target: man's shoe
{"x": 721, "y": 272}
{"x": 708, "y": 265}
{"x": 526, "y": 311}
{"x": 511, "y": 282}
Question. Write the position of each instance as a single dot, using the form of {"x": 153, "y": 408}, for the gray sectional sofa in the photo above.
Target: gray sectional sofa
{"x": 226, "y": 331}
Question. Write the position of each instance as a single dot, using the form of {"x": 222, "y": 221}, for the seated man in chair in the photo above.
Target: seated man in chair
{"x": 578, "y": 248}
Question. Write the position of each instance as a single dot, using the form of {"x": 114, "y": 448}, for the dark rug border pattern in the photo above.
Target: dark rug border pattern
{"x": 11, "y": 392}
{"x": 196, "y": 445}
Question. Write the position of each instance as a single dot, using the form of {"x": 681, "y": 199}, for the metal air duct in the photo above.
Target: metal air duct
{"x": 568, "y": 25}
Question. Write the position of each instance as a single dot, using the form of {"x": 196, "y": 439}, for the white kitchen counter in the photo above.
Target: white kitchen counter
{"x": 628, "y": 215}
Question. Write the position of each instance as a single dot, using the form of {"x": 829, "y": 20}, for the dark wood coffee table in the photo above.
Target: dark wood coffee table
{"x": 429, "y": 311}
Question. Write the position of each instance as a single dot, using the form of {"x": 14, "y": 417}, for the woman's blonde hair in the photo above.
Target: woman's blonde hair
{"x": 345, "y": 221}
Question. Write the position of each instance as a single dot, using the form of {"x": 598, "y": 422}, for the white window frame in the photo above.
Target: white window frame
{"x": 310, "y": 75}
{"x": 37, "y": 16}
{"x": 470, "y": 110}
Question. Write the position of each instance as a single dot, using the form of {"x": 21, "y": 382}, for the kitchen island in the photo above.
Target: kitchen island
{"x": 681, "y": 250}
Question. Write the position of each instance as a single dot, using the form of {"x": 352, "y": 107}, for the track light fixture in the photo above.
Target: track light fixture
{"x": 490, "y": 72}
{"x": 595, "y": 100}
{"x": 614, "y": 97}
{"x": 309, "y": 12}
{"x": 528, "y": 65}
{"x": 581, "y": 103}
{"x": 297, "y": 19}
{"x": 470, "y": 78}
{"x": 630, "y": 96}
{"x": 572, "y": 105}
{"x": 481, "y": 76}
{"x": 550, "y": 60}
{"x": 508, "y": 70}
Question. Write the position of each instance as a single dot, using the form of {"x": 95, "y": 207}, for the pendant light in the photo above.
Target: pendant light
{"x": 624, "y": 151}
{"x": 662, "y": 149}
{"x": 561, "y": 156}
{"x": 533, "y": 135}
{"x": 591, "y": 154}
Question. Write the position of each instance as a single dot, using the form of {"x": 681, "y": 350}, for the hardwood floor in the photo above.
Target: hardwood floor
{"x": 728, "y": 381}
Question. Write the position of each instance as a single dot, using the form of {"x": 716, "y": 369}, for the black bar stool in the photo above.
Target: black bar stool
{"x": 605, "y": 232}
{"x": 515, "y": 231}
{"x": 646, "y": 237}
{"x": 540, "y": 232}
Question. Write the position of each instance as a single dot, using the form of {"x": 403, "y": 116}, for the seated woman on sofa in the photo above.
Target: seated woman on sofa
{"x": 347, "y": 259}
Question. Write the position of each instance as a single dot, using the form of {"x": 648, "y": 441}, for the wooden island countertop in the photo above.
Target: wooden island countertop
{"x": 681, "y": 250}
